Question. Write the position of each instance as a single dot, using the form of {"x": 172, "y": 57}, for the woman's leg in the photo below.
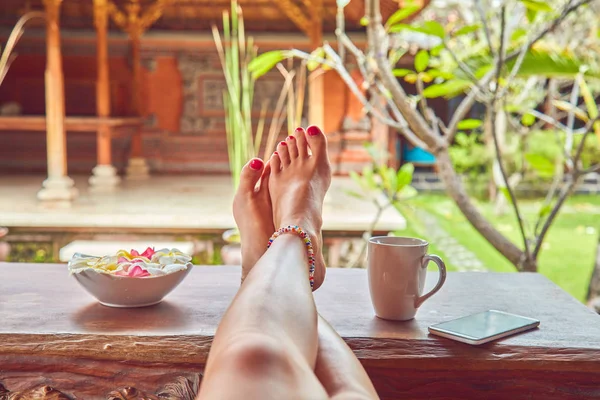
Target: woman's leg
{"x": 266, "y": 344}
{"x": 338, "y": 369}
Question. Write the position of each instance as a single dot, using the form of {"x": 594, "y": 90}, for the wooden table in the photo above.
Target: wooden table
{"x": 53, "y": 334}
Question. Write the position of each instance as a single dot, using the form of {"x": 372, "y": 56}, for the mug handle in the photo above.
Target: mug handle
{"x": 441, "y": 280}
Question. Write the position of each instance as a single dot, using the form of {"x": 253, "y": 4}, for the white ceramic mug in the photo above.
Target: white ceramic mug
{"x": 397, "y": 270}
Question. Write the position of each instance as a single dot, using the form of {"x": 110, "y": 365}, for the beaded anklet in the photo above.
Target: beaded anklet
{"x": 309, "y": 247}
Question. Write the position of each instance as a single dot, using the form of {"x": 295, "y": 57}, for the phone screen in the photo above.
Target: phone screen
{"x": 485, "y": 324}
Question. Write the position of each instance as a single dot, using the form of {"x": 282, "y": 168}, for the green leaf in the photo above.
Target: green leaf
{"x": 407, "y": 192}
{"x": 400, "y": 72}
{"x": 542, "y": 165}
{"x": 590, "y": 102}
{"x": 536, "y": 5}
{"x": 469, "y": 124}
{"x": 421, "y": 60}
{"x": 400, "y": 27}
{"x": 518, "y": 34}
{"x": 313, "y": 64}
{"x": 402, "y": 14}
{"x": 355, "y": 194}
{"x": 265, "y": 62}
{"x": 435, "y": 51}
{"x": 531, "y": 14}
{"x": 448, "y": 88}
{"x": 462, "y": 139}
{"x": 393, "y": 179}
{"x": 433, "y": 28}
{"x": 405, "y": 175}
{"x": 369, "y": 177}
{"x": 436, "y": 73}
{"x": 465, "y": 30}
{"x": 528, "y": 119}
{"x": 506, "y": 193}
{"x": 550, "y": 64}
{"x": 364, "y": 21}
{"x": 545, "y": 210}
{"x": 481, "y": 71}
{"x": 357, "y": 179}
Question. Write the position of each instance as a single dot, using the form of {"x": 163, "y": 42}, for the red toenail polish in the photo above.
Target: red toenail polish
{"x": 291, "y": 137}
{"x": 299, "y": 130}
{"x": 256, "y": 164}
{"x": 313, "y": 131}
{"x": 283, "y": 143}
{"x": 275, "y": 153}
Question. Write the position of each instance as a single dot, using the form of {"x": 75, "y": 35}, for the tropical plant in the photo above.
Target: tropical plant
{"x": 498, "y": 54}
{"x": 6, "y": 55}
{"x": 382, "y": 186}
{"x": 237, "y": 54}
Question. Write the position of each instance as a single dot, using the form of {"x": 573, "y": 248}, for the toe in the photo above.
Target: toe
{"x": 317, "y": 142}
{"x": 264, "y": 179}
{"x": 251, "y": 173}
{"x": 275, "y": 163}
{"x": 284, "y": 154}
{"x": 292, "y": 147}
{"x": 301, "y": 144}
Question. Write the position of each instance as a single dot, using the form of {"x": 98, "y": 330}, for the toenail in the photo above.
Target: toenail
{"x": 291, "y": 137}
{"x": 299, "y": 130}
{"x": 256, "y": 164}
{"x": 283, "y": 143}
{"x": 275, "y": 153}
{"x": 313, "y": 130}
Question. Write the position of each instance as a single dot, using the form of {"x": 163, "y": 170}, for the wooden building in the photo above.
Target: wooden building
{"x": 132, "y": 86}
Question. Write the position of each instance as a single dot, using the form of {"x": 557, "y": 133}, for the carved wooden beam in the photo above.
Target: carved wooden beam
{"x": 134, "y": 21}
{"x": 182, "y": 389}
{"x": 297, "y": 15}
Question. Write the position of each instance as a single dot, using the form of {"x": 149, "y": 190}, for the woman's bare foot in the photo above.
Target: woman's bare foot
{"x": 300, "y": 177}
{"x": 252, "y": 212}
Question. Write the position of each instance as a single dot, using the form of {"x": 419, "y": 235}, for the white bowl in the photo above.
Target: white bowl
{"x": 124, "y": 291}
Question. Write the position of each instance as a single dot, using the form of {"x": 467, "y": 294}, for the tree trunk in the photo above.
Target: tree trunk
{"x": 456, "y": 190}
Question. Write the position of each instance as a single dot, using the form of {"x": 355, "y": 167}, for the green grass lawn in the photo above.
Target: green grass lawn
{"x": 567, "y": 256}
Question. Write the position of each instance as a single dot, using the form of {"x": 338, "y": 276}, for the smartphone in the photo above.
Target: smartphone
{"x": 483, "y": 327}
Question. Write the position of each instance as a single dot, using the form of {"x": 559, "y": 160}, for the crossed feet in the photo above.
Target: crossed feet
{"x": 288, "y": 190}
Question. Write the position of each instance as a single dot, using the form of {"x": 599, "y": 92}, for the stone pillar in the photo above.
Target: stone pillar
{"x": 104, "y": 175}
{"x": 137, "y": 167}
{"x": 58, "y": 186}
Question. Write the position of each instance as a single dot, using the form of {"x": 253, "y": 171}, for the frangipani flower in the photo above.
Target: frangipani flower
{"x": 173, "y": 256}
{"x": 133, "y": 264}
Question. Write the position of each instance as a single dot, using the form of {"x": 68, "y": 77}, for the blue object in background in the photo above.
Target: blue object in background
{"x": 416, "y": 155}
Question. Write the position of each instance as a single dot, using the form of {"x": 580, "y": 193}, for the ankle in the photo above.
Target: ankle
{"x": 312, "y": 227}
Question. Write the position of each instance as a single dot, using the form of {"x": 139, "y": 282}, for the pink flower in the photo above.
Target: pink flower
{"x": 133, "y": 271}
{"x": 134, "y": 253}
{"x": 148, "y": 253}
{"x": 122, "y": 260}
{"x": 138, "y": 272}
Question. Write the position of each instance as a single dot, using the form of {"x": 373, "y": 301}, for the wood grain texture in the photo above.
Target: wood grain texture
{"x": 53, "y": 332}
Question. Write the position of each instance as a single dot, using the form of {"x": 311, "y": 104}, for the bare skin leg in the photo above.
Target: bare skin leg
{"x": 266, "y": 345}
{"x": 338, "y": 369}
{"x": 244, "y": 361}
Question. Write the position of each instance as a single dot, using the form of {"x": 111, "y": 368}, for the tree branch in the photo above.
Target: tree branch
{"x": 513, "y": 199}
{"x": 486, "y": 28}
{"x": 375, "y": 36}
{"x": 565, "y": 192}
{"x": 464, "y": 107}
{"x": 569, "y": 8}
